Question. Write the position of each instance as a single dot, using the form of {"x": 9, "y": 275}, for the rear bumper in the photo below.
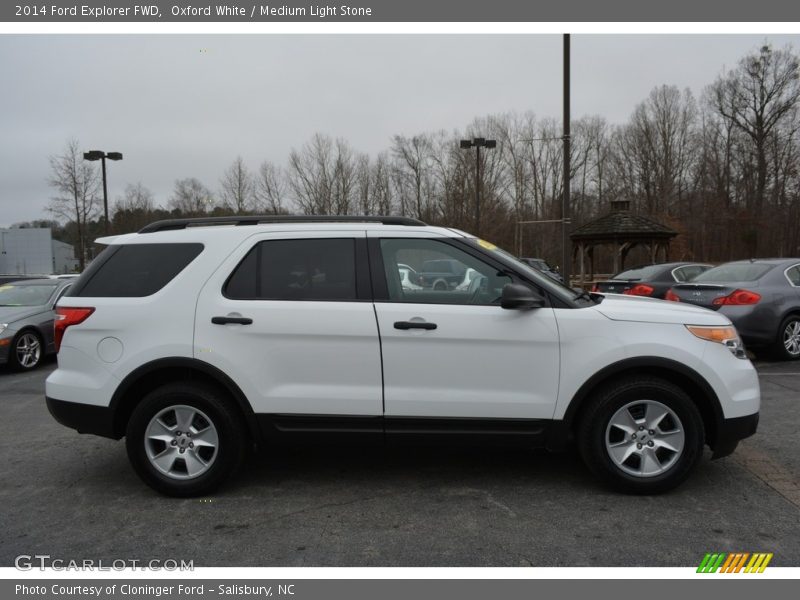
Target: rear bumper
{"x": 85, "y": 418}
{"x": 730, "y": 431}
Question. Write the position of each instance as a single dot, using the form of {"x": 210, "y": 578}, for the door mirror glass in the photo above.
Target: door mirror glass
{"x": 520, "y": 296}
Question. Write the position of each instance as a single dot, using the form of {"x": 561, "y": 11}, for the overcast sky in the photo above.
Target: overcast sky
{"x": 186, "y": 105}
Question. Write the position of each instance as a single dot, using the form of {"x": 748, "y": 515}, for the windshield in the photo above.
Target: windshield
{"x": 734, "y": 272}
{"x": 551, "y": 285}
{"x": 25, "y": 295}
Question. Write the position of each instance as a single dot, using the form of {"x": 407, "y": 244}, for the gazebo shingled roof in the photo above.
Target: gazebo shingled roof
{"x": 624, "y": 230}
{"x": 622, "y": 224}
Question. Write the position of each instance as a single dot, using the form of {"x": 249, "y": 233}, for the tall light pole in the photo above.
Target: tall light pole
{"x": 478, "y": 143}
{"x": 566, "y": 259}
{"x": 100, "y": 155}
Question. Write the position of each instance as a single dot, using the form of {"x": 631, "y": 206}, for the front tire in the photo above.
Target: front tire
{"x": 185, "y": 439}
{"x": 641, "y": 435}
{"x": 787, "y": 346}
{"x": 27, "y": 351}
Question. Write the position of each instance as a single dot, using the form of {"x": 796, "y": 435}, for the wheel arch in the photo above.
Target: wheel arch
{"x": 689, "y": 380}
{"x": 151, "y": 375}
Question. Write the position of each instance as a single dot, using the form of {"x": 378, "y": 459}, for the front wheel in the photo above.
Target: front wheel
{"x": 185, "y": 439}
{"x": 27, "y": 351}
{"x": 642, "y": 435}
{"x": 787, "y": 346}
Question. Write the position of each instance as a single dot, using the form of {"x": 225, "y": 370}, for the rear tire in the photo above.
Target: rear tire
{"x": 787, "y": 346}
{"x": 185, "y": 439}
{"x": 668, "y": 432}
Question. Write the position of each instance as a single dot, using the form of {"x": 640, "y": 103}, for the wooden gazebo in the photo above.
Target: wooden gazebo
{"x": 622, "y": 230}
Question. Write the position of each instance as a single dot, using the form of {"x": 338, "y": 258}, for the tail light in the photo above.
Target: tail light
{"x": 595, "y": 288}
{"x": 66, "y": 316}
{"x": 738, "y": 298}
{"x": 670, "y": 295}
{"x": 640, "y": 289}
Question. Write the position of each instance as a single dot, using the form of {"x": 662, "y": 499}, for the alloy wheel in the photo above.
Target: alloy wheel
{"x": 644, "y": 438}
{"x": 181, "y": 442}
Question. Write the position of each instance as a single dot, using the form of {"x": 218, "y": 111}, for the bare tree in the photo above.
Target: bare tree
{"x": 412, "y": 161}
{"x": 269, "y": 189}
{"x": 134, "y": 209}
{"x": 323, "y": 176}
{"x": 191, "y": 197}
{"x": 136, "y": 197}
{"x": 237, "y": 187}
{"x": 77, "y": 183}
{"x": 757, "y": 96}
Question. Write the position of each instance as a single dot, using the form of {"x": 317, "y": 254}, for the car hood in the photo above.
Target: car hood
{"x": 648, "y": 310}
{"x": 9, "y": 314}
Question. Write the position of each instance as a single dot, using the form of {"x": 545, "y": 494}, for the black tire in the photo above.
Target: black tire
{"x": 780, "y": 350}
{"x": 212, "y": 407}
{"x": 25, "y": 338}
{"x": 594, "y": 427}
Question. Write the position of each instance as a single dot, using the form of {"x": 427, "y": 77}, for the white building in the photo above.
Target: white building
{"x": 34, "y": 252}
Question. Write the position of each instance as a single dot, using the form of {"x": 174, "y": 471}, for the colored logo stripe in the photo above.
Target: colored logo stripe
{"x": 734, "y": 563}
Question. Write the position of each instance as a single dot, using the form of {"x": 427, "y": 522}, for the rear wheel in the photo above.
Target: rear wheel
{"x": 642, "y": 435}
{"x": 185, "y": 439}
{"x": 787, "y": 346}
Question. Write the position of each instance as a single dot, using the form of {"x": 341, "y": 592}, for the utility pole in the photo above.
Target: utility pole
{"x": 566, "y": 260}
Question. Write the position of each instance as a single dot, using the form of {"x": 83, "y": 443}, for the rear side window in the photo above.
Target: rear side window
{"x": 315, "y": 269}
{"x": 134, "y": 270}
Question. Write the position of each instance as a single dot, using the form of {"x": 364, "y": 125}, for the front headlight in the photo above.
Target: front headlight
{"x": 3, "y": 327}
{"x": 725, "y": 335}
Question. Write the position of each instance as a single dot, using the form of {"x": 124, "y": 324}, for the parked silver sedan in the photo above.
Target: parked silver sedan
{"x": 26, "y": 320}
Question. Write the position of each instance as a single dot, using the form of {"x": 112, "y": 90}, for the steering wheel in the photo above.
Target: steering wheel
{"x": 476, "y": 287}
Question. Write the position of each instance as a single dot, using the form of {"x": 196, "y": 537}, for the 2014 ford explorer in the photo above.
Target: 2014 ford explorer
{"x": 197, "y": 340}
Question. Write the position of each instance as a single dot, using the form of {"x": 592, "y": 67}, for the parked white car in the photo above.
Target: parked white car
{"x": 405, "y": 280}
{"x": 198, "y": 339}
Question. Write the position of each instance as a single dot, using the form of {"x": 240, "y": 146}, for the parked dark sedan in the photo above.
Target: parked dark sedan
{"x": 650, "y": 280}
{"x": 26, "y": 320}
{"x": 761, "y": 297}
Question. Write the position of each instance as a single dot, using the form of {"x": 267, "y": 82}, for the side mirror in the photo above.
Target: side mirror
{"x": 517, "y": 295}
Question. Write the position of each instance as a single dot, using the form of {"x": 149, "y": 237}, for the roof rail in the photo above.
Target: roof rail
{"x": 169, "y": 224}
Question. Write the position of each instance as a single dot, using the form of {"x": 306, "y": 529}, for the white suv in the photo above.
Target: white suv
{"x": 200, "y": 339}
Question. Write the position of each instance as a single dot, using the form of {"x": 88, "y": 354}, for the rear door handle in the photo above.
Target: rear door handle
{"x": 414, "y": 325}
{"x": 231, "y": 320}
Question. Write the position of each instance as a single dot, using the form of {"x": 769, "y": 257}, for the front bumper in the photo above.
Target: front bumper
{"x": 730, "y": 431}
{"x": 85, "y": 418}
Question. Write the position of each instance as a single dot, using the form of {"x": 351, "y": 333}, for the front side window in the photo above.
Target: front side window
{"x": 434, "y": 272}
{"x": 311, "y": 269}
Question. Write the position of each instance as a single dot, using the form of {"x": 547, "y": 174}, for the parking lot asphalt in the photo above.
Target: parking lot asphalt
{"x": 75, "y": 497}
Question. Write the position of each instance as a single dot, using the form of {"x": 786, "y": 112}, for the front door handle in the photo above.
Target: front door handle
{"x": 414, "y": 325}
{"x": 231, "y": 320}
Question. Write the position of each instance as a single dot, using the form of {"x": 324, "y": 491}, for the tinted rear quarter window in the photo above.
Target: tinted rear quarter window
{"x": 134, "y": 270}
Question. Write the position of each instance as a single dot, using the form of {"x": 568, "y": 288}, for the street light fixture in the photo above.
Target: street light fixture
{"x": 100, "y": 155}
{"x": 478, "y": 143}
